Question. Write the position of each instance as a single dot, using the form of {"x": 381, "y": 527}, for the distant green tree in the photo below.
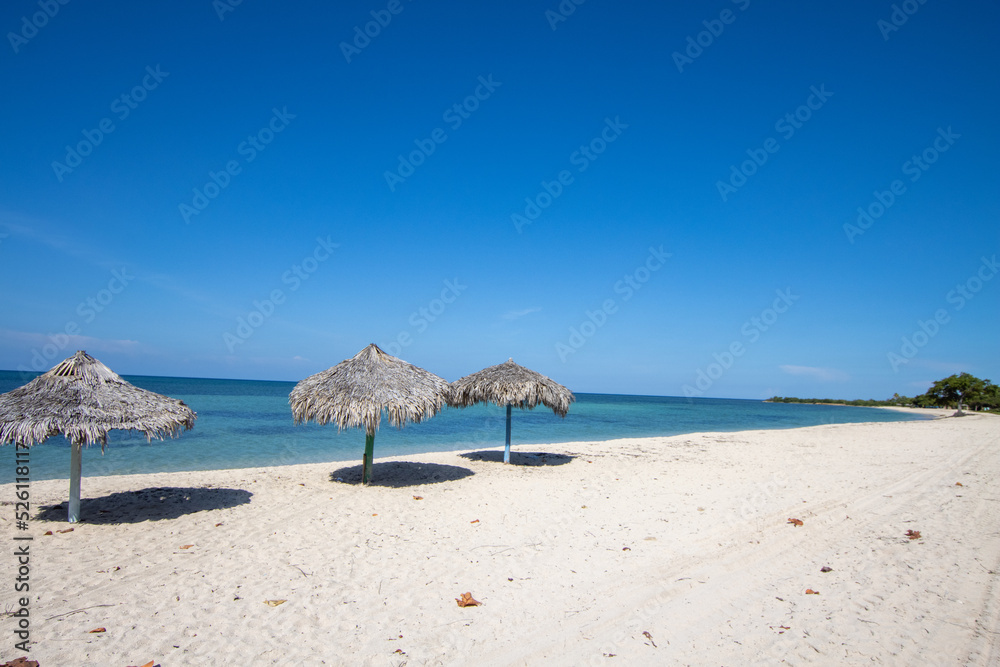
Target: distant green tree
{"x": 958, "y": 390}
{"x": 963, "y": 390}
{"x": 988, "y": 398}
{"x": 992, "y": 396}
{"x": 899, "y": 400}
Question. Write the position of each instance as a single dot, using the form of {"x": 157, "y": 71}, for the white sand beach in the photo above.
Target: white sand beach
{"x": 657, "y": 551}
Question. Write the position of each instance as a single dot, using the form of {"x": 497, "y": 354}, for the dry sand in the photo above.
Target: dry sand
{"x": 657, "y": 551}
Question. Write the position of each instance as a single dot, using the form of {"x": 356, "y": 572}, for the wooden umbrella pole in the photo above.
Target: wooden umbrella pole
{"x": 506, "y": 449}
{"x": 75, "y": 467}
{"x": 366, "y": 470}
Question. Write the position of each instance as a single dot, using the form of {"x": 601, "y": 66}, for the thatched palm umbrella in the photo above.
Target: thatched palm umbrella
{"x": 357, "y": 390}
{"x": 83, "y": 399}
{"x": 509, "y": 384}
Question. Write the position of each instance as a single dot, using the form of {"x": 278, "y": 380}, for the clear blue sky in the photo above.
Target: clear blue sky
{"x": 623, "y": 132}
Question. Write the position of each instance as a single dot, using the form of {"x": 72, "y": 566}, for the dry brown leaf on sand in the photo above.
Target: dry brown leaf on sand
{"x": 795, "y": 522}
{"x": 810, "y": 591}
{"x": 418, "y": 497}
{"x": 913, "y": 534}
{"x": 958, "y": 484}
{"x": 467, "y": 601}
{"x": 98, "y": 630}
{"x": 474, "y": 521}
{"x": 21, "y": 662}
{"x": 274, "y": 603}
{"x": 187, "y": 546}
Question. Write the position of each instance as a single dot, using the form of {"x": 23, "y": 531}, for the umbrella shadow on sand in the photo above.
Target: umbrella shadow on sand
{"x": 151, "y": 504}
{"x": 520, "y": 458}
{"x": 399, "y": 474}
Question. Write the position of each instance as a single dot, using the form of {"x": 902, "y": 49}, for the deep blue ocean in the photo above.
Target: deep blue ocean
{"x": 243, "y": 424}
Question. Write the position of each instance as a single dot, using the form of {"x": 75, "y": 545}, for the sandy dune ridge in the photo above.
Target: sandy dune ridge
{"x": 673, "y": 550}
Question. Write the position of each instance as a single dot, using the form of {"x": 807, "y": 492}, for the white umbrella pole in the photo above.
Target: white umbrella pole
{"x": 506, "y": 449}
{"x": 75, "y": 465}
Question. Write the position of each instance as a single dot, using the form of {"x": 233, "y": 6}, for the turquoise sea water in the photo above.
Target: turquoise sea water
{"x": 244, "y": 424}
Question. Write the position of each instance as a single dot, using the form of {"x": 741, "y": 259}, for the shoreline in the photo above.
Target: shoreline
{"x": 576, "y": 551}
{"x": 516, "y": 449}
{"x": 920, "y": 412}
{"x": 930, "y": 413}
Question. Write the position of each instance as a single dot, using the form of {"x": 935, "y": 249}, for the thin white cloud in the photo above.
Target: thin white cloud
{"x": 16, "y": 226}
{"x": 517, "y": 314}
{"x": 824, "y": 374}
{"x": 35, "y": 230}
{"x": 40, "y": 348}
